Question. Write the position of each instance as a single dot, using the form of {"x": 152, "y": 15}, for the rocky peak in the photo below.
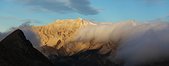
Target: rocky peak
{"x": 59, "y": 32}
{"x": 16, "y": 50}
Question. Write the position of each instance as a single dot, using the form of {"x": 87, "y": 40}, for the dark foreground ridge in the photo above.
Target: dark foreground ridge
{"x": 16, "y": 50}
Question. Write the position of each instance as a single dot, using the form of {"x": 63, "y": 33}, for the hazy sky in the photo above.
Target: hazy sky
{"x": 38, "y": 12}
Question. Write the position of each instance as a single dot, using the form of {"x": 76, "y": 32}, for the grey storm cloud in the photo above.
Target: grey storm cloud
{"x": 62, "y": 6}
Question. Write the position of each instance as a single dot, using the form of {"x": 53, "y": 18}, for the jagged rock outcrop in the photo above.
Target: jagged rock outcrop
{"x": 16, "y": 50}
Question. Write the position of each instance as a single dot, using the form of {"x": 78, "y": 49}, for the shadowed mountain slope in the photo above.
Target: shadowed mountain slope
{"x": 16, "y": 50}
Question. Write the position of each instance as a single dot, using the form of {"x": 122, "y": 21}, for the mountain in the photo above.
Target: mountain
{"x": 57, "y": 44}
{"x": 16, "y": 50}
{"x": 72, "y": 36}
{"x": 60, "y": 31}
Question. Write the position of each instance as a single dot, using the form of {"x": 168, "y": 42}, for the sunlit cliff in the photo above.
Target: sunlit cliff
{"x": 60, "y": 32}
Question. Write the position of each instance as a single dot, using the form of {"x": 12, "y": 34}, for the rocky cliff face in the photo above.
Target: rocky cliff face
{"x": 16, "y": 50}
{"x": 59, "y": 32}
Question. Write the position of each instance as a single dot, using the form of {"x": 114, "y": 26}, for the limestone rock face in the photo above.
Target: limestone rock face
{"x": 16, "y": 50}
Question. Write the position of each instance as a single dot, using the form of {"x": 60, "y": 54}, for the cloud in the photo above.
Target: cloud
{"x": 83, "y": 7}
{"x": 62, "y": 6}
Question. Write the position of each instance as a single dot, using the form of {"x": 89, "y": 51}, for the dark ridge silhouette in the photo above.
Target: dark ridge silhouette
{"x": 16, "y": 50}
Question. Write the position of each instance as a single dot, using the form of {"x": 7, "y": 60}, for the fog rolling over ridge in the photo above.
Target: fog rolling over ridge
{"x": 129, "y": 42}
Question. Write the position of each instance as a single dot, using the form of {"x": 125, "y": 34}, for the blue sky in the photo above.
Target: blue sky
{"x": 40, "y": 12}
